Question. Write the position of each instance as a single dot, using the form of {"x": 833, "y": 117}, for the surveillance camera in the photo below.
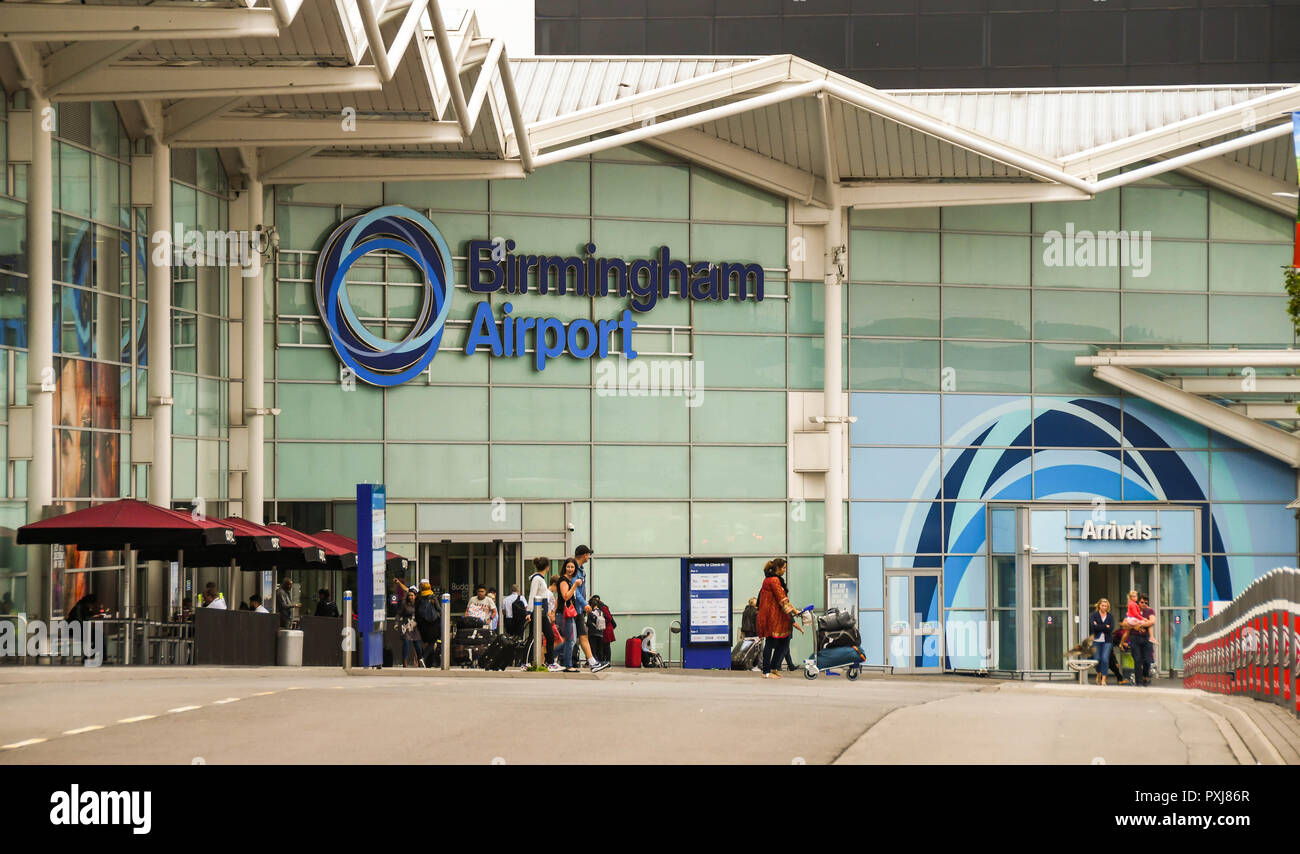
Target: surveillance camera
{"x": 572, "y": 527}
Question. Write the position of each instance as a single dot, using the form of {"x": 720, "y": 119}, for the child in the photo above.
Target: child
{"x": 1134, "y": 612}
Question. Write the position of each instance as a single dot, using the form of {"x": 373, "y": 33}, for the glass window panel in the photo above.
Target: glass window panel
{"x": 985, "y": 313}
{"x": 649, "y": 419}
{"x": 1250, "y": 320}
{"x": 893, "y": 256}
{"x": 541, "y": 471}
{"x": 887, "y": 364}
{"x": 444, "y": 195}
{"x": 1248, "y": 267}
{"x": 327, "y": 411}
{"x": 633, "y": 239}
{"x": 368, "y": 193}
{"x": 1054, "y": 266}
{"x": 1165, "y": 212}
{"x": 208, "y": 468}
{"x": 185, "y": 409}
{"x": 1076, "y": 315}
{"x": 965, "y": 582}
{"x": 643, "y": 191}
{"x": 642, "y": 471}
{"x": 913, "y": 419}
{"x": 436, "y": 471}
{"x": 743, "y": 527}
{"x": 563, "y": 188}
{"x": 1235, "y": 218}
{"x": 302, "y": 363}
{"x": 744, "y": 244}
{"x": 893, "y": 310}
{"x": 750, "y": 472}
{"x": 74, "y": 180}
{"x": 304, "y": 227}
{"x": 107, "y": 203}
{"x": 1165, "y": 318}
{"x": 541, "y": 414}
{"x": 734, "y": 316}
{"x": 184, "y": 469}
{"x": 1168, "y": 266}
{"x": 739, "y": 417}
{"x": 539, "y": 235}
{"x": 1100, "y": 213}
{"x": 209, "y": 412}
{"x": 661, "y": 527}
{"x": 981, "y": 259}
{"x": 924, "y": 218}
{"x": 316, "y": 470}
{"x": 650, "y": 583}
{"x": 741, "y": 361}
{"x": 987, "y": 366}
{"x": 433, "y": 412}
{"x": 717, "y": 197}
{"x": 1056, "y": 373}
{"x": 894, "y": 472}
{"x": 987, "y": 218}
{"x": 209, "y": 174}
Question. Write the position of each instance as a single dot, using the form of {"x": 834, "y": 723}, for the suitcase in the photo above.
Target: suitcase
{"x": 472, "y": 636}
{"x": 501, "y": 652}
{"x": 835, "y": 619}
{"x": 842, "y": 656}
{"x": 632, "y": 652}
{"x": 463, "y": 622}
{"x": 838, "y": 638}
{"x": 746, "y": 653}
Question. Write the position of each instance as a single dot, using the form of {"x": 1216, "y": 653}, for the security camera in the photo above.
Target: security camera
{"x": 572, "y": 527}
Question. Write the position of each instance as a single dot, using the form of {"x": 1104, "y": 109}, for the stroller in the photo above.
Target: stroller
{"x": 650, "y": 658}
{"x": 837, "y": 644}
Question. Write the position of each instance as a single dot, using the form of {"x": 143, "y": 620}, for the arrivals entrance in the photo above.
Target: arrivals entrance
{"x": 459, "y": 567}
{"x": 914, "y": 605}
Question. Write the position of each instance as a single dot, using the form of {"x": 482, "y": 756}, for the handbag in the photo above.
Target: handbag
{"x": 570, "y": 612}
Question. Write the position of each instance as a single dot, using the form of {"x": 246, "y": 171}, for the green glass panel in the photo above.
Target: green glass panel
{"x": 985, "y": 313}
{"x": 306, "y": 363}
{"x": 1054, "y": 265}
{"x": 642, "y": 471}
{"x": 458, "y": 228}
{"x": 1250, "y": 320}
{"x": 735, "y": 417}
{"x": 625, "y": 418}
{"x": 660, "y": 528}
{"x": 439, "y": 195}
{"x": 924, "y": 218}
{"x": 297, "y": 298}
{"x": 1165, "y": 212}
{"x": 717, "y": 197}
{"x": 538, "y": 235}
{"x": 565, "y": 370}
{"x": 885, "y": 364}
{"x": 539, "y": 414}
{"x": 436, "y": 471}
{"x": 667, "y": 312}
{"x": 633, "y": 239}
{"x": 893, "y": 310}
{"x": 1169, "y": 266}
{"x": 986, "y": 366}
{"x": 1251, "y": 267}
{"x": 563, "y": 188}
{"x": 452, "y": 365}
{"x": 1076, "y": 315}
{"x": 741, "y": 361}
{"x": 361, "y": 194}
{"x": 981, "y": 259}
{"x": 807, "y": 312}
{"x": 541, "y": 471}
{"x": 310, "y": 470}
{"x": 1013, "y": 218}
{"x": 303, "y": 227}
{"x": 327, "y": 411}
{"x": 635, "y": 153}
{"x": 1100, "y": 213}
{"x": 184, "y": 469}
{"x": 738, "y": 527}
{"x": 74, "y": 180}
{"x": 401, "y": 517}
{"x": 892, "y": 256}
{"x": 1234, "y": 218}
{"x": 649, "y": 583}
{"x": 646, "y": 192}
{"x": 808, "y": 361}
{"x": 436, "y": 412}
{"x": 749, "y": 472}
{"x": 745, "y": 244}
{"x": 185, "y": 409}
{"x": 1165, "y": 318}
{"x": 566, "y": 307}
{"x": 735, "y": 316}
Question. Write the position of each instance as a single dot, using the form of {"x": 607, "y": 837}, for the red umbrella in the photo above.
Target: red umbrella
{"x": 126, "y": 522}
{"x": 295, "y": 551}
{"x": 251, "y": 543}
{"x": 395, "y": 562}
{"x": 336, "y": 557}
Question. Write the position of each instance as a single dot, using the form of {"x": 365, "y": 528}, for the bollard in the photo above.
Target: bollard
{"x": 446, "y": 631}
{"x": 538, "y": 644}
{"x": 348, "y": 639}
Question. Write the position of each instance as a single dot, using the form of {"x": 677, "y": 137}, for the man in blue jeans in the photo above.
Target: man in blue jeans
{"x": 580, "y": 556}
{"x": 1139, "y": 641}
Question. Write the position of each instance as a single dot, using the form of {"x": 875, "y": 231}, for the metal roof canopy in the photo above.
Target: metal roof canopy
{"x": 1230, "y": 403}
{"x": 432, "y": 98}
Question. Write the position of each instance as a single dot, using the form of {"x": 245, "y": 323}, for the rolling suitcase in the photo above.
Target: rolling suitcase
{"x": 632, "y": 652}
{"x": 500, "y": 652}
{"x": 746, "y": 653}
{"x": 842, "y": 656}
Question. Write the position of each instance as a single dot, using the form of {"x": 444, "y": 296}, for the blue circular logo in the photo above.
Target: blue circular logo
{"x": 409, "y": 233}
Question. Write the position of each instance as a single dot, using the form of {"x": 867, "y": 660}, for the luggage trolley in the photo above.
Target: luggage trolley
{"x": 848, "y": 657}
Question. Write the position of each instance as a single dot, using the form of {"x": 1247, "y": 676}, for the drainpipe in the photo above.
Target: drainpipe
{"x": 40, "y": 337}
{"x": 160, "y": 328}
{"x": 254, "y": 367}
{"x": 836, "y": 259}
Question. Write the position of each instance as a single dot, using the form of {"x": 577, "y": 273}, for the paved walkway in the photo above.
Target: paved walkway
{"x": 312, "y": 715}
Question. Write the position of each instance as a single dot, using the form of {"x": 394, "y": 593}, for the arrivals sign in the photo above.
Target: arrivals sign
{"x": 495, "y": 268}
{"x": 1116, "y": 531}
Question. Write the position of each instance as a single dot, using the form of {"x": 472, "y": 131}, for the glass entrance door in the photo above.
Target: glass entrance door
{"x": 460, "y": 567}
{"x": 1049, "y": 614}
{"x": 913, "y": 605}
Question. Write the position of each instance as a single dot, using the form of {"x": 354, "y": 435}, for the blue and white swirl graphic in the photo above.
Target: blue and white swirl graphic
{"x": 392, "y": 228}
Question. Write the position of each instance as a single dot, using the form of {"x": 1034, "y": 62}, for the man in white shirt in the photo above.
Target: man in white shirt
{"x": 481, "y": 606}
{"x": 255, "y": 604}
{"x": 215, "y": 600}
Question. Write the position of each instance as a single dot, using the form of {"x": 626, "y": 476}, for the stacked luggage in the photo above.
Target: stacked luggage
{"x": 839, "y": 644}
{"x": 469, "y": 641}
{"x": 505, "y": 651}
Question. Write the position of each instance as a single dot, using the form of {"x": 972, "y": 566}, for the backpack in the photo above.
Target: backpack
{"x": 425, "y": 612}
{"x": 597, "y": 620}
{"x": 518, "y": 614}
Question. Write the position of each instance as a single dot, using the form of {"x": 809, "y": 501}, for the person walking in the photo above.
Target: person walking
{"x": 567, "y": 612}
{"x": 1139, "y": 641}
{"x": 284, "y": 602}
{"x": 600, "y": 629}
{"x": 580, "y": 557}
{"x": 408, "y": 629}
{"x": 539, "y": 591}
{"x": 775, "y": 615}
{"x": 1101, "y": 625}
{"x": 749, "y": 620}
{"x": 325, "y": 606}
{"x": 785, "y": 585}
{"x": 607, "y": 637}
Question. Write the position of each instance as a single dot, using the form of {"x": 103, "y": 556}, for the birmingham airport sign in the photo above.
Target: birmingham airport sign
{"x": 495, "y": 268}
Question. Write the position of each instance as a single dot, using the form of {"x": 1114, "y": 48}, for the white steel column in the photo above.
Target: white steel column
{"x": 254, "y": 368}
{"x": 833, "y": 379}
{"x": 40, "y": 341}
{"x": 160, "y": 325}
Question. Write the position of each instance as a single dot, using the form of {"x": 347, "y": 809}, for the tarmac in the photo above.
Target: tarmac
{"x": 234, "y": 715}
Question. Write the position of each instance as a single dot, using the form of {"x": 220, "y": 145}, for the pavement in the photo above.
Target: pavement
{"x": 229, "y": 715}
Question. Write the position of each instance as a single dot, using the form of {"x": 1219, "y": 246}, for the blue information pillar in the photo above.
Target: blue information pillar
{"x": 706, "y": 613}
{"x": 371, "y": 557}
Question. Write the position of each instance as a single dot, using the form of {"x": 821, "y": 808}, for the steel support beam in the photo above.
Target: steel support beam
{"x": 288, "y": 132}
{"x": 155, "y": 83}
{"x": 40, "y": 22}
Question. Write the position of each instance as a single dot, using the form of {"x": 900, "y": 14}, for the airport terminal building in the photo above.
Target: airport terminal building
{"x": 1014, "y": 349}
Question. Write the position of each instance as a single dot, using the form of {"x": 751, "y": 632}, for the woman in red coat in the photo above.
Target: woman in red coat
{"x": 774, "y": 617}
